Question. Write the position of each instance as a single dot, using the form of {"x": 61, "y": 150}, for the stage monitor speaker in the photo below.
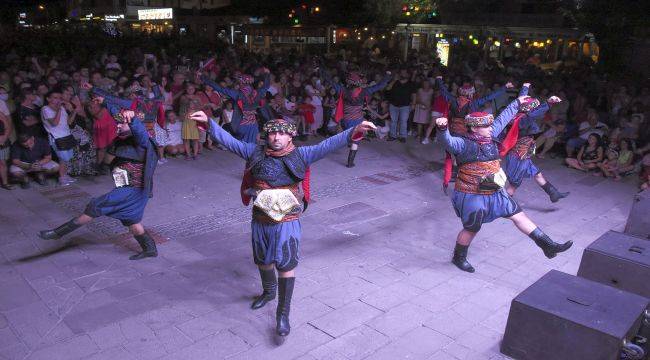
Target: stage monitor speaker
{"x": 618, "y": 260}
{"x": 638, "y": 223}
{"x": 565, "y": 317}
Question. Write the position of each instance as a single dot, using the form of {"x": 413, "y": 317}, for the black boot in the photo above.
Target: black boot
{"x": 59, "y": 232}
{"x": 270, "y": 286}
{"x": 285, "y": 291}
{"x": 351, "y": 156}
{"x": 101, "y": 169}
{"x": 460, "y": 258}
{"x": 549, "y": 247}
{"x": 148, "y": 247}
{"x": 553, "y": 193}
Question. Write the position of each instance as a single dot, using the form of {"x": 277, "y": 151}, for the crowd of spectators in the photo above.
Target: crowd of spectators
{"x": 51, "y": 127}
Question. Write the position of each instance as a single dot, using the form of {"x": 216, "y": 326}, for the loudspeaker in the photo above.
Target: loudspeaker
{"x": 618, "y": 260}
{"x": 565, "y": 317}
{"x": 638, "y": 223}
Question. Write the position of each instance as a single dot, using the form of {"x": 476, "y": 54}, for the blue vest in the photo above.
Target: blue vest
{"x": 283, "y": 171}
{"x": 475, "y": 152}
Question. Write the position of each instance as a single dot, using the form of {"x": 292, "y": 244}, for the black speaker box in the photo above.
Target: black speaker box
{"x": 565, "y": 317}
{"x": 638, "y": 223}
{"x": 618, "y": 260}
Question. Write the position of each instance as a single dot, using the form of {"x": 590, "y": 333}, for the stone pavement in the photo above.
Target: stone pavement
{"x": 374, "y": 282}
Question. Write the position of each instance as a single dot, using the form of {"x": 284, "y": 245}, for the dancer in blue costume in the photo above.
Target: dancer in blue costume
{"x": 133, "y": 168}
{"x": 349, "y": 107}
{"x": 247, "y": 99}
{"x": 277, "y": 168}
{"x": 479, "y": 196}
{"x": 519, "y": 145}
{"x": 152, "y": 108}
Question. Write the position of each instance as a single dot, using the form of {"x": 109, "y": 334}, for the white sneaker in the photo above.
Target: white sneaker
{"x": 425, "y": 141}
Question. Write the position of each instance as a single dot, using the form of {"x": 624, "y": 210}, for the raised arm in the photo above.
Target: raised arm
{"x": 478, "y": 103}
{"x": 140, "y": 134}
{"x": 379, "y": 86}
{"x": 233, "y": 94}
{"x": 453, "y": 144}
{"x": 325, "y": 75}
{"x": 539, "y": 111}
{"x": 451, "y": 99}
{"x": 524, "y": 89}
{"x": 239, "y": 148}
{"x": 316, "y": 152}
{"x": 157, "y": 94}
{"x": 111, "y": 100}
{"x": 505, "y": 118}
{"x": 265, "y": 87}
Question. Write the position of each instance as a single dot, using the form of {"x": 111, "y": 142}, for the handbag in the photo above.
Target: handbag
{"x": 65, "y": 143}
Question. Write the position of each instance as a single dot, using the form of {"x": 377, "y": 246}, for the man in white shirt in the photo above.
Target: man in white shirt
{"x": 587, "y": 127}
{"x": 55, "y": 120}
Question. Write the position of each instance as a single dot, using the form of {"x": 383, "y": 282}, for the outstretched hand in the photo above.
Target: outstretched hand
{"x": 553, "y": 100}
{"x": 199, "y": 116}
{"x": 441, "y": 122}
{"x": 509, "y": 85}
{"x": 366, "y": 126}
{"x": 526, "y": 84}
{"x": 128, "y": 115}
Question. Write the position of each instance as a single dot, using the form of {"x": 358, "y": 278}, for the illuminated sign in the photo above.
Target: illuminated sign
{"x": 442, "y": 48}
{"x": 113, "y": 17}
{"x": 155, "y": 14}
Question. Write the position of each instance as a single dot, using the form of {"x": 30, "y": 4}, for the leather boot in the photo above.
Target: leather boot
{"x": 59, "y": 232}
{"x": 351, "y": 156}
{"x": 553, "y": 193}
{"x": 460, "y": 258}
{"x": 285, "y": 291}
{"x": 270, "y": 286}
{"x": 545, "y": 243}
{"x": 148, "y": 247}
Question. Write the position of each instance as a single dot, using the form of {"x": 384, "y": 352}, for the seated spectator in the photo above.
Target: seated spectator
{"x": 588, "y": 127}
{"x": 618, "y": 161}
{"x": 589, "y": 156}
{"x": 645, "y": 172}
{"x": 173, "y": 141}
{"x": 5, "y": 132}
{"x": 31, "y": 156}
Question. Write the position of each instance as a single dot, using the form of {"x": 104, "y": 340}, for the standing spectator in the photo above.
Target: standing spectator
{"x": 31, "y": 156}
{"x": 5, "y": 132}
{"x": 401, "y": 98}
{"x": 316, "y": 91}
{"x": 83, "y": 160}
{"x": 56, "y": 122}
{"x": 29, "y": 115}
{"x": 104, "y": 133}
{"x": 422, "y": 115}
{"x": 211, "y": 101}
{"x": 189, "y": 103}
{"x": 439, "y": 108}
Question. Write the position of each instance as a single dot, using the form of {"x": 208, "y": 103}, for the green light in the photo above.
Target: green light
{"x": 296, "y": 21}
{"x": 433, "y": 13}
